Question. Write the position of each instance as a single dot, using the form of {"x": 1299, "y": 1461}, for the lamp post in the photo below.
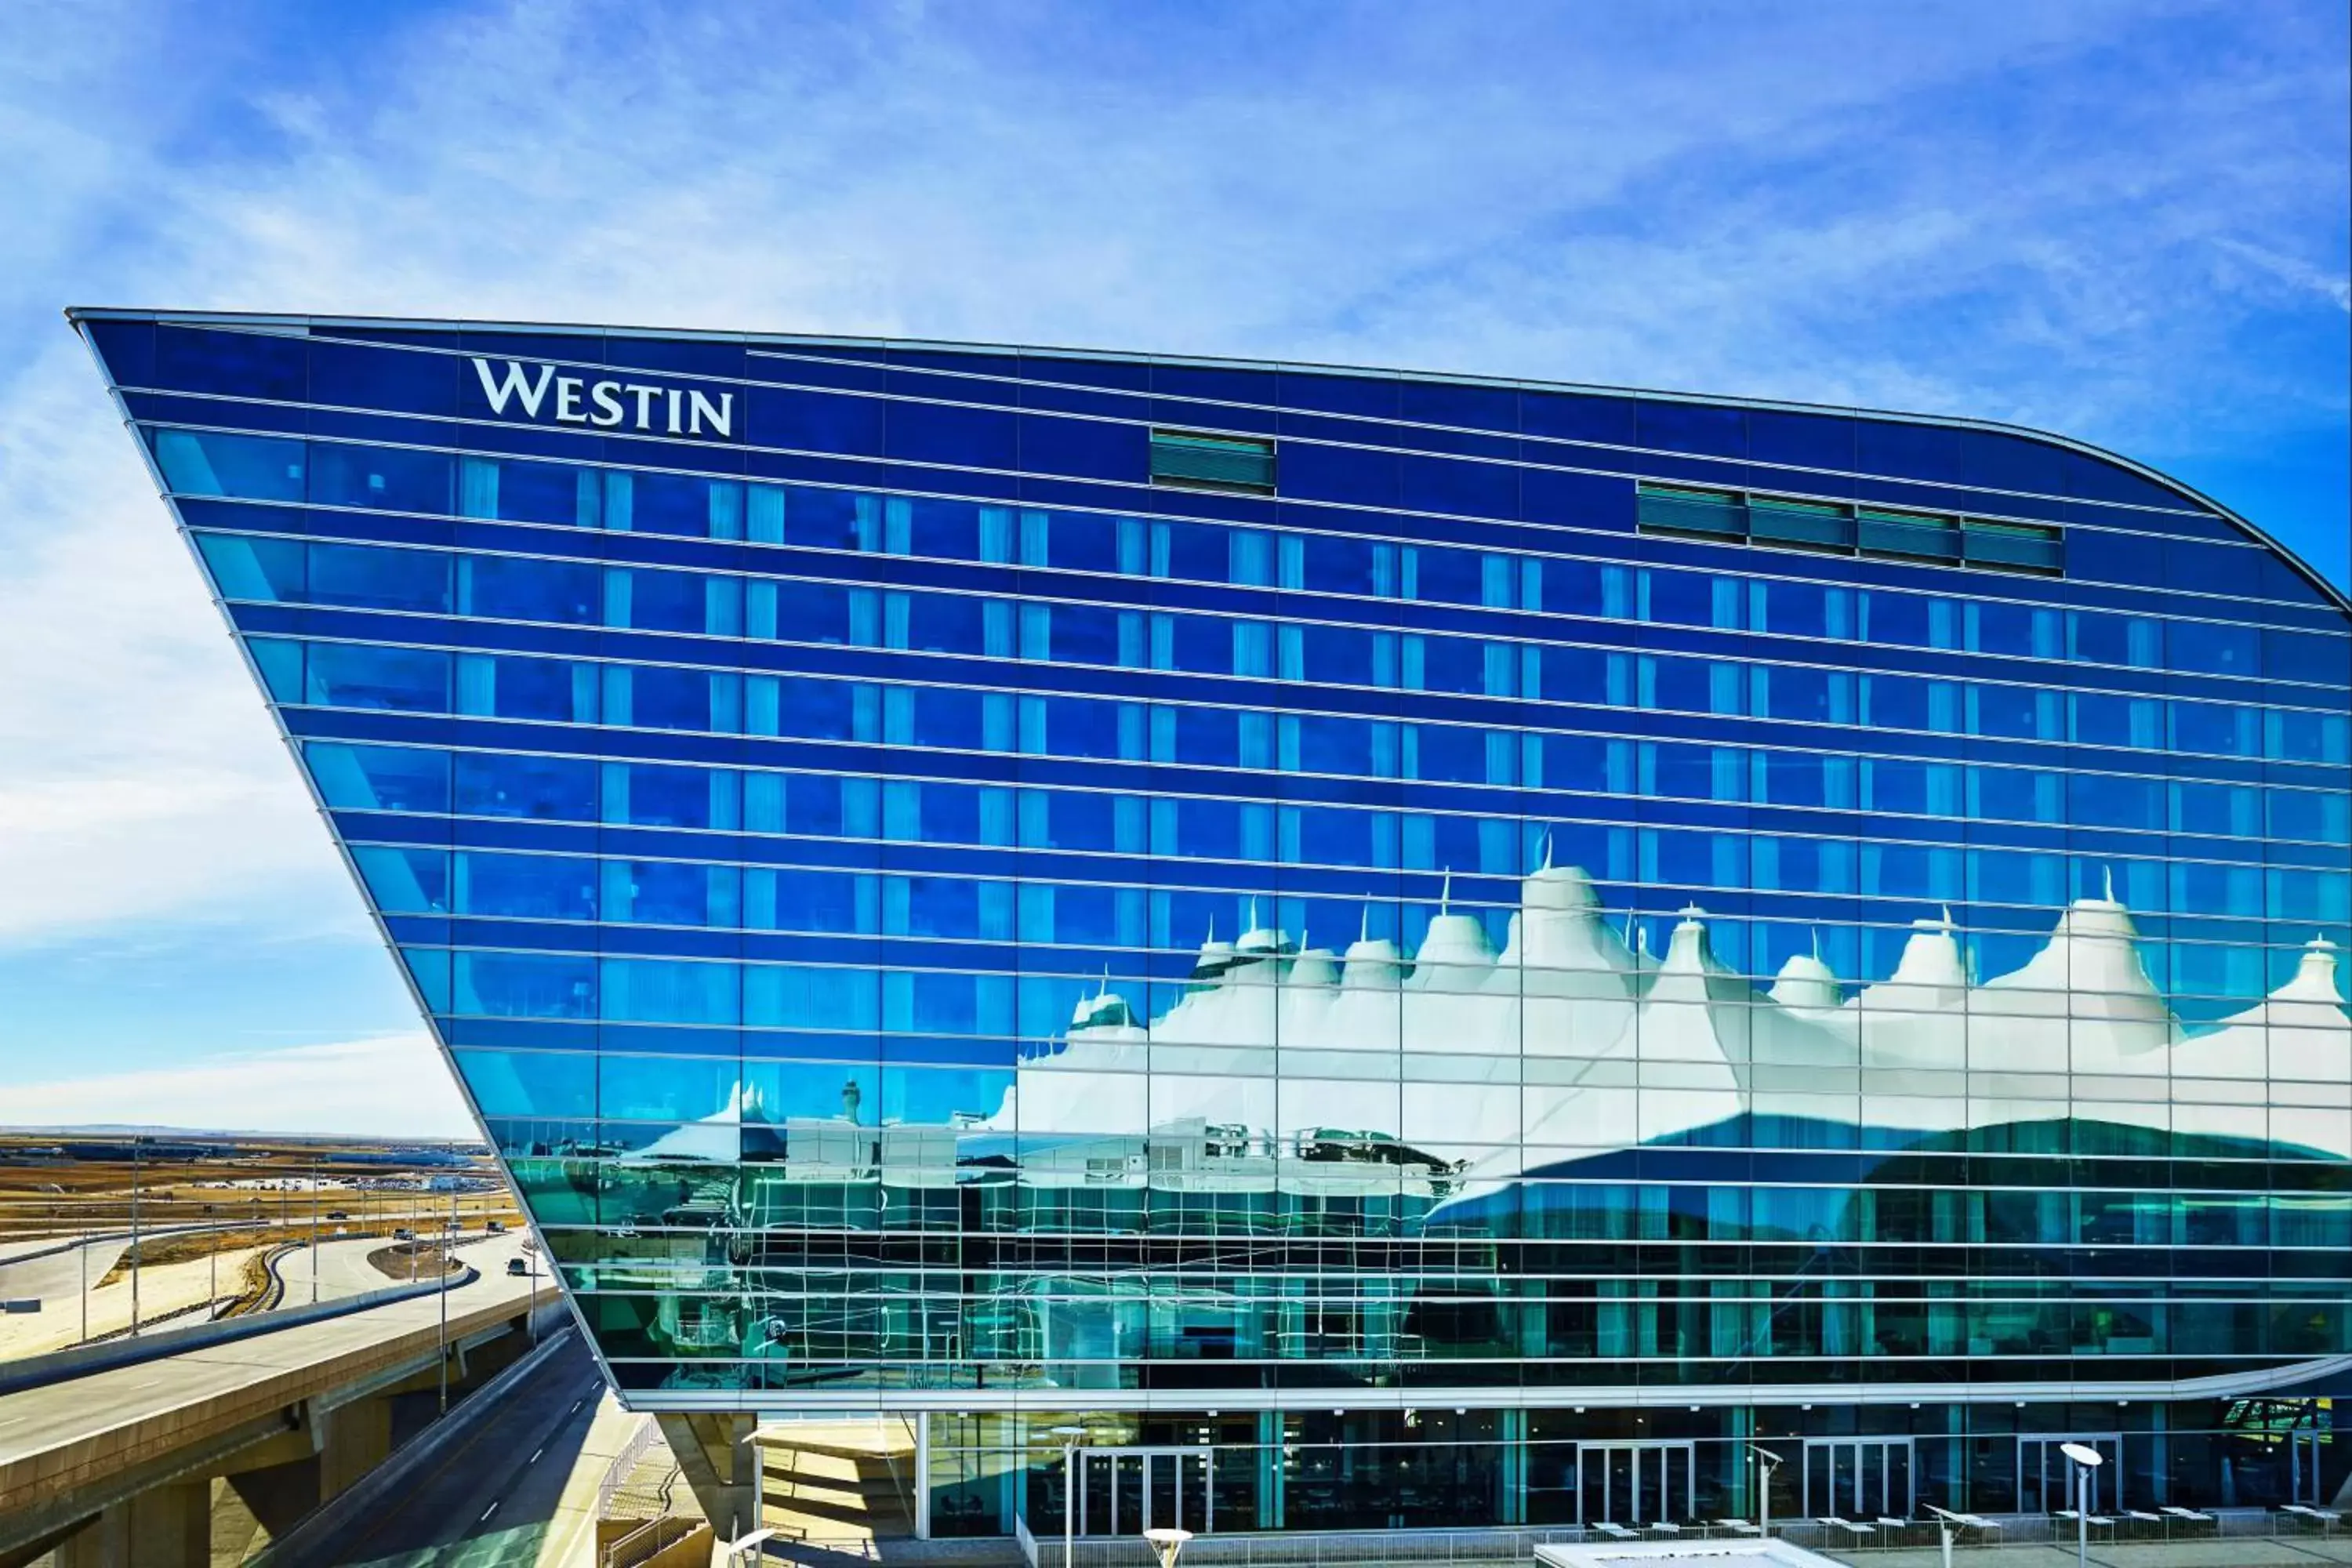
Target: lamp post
{"x": 1069, "y": 1436}
{"x": 747, "y": 1548}
{"x": 2087, "y": 1459}
{"x": 1167, "y": 1544}
{"x": 1945, "y": 1521}
{"x": 1767, "y": 1461}
{"x": 135, "y": 1143}
{"x": 446, "y": 1237}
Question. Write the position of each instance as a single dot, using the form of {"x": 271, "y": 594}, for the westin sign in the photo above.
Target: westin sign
{"x": 540, "y": 393}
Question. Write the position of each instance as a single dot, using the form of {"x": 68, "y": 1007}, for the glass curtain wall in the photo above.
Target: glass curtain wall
{"x": 954, "y": 874}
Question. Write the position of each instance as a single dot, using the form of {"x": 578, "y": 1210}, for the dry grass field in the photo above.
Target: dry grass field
{"x": 209, "y": 1212}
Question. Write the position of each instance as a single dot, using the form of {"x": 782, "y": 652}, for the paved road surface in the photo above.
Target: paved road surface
{"x": 60, "y": 1275}
{"x": 490, "y": 1498}
{"x": 344, "y": 1269}
{"x": 82, "y": 1411}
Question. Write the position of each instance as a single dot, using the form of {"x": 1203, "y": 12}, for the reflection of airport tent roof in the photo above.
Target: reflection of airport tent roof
{"x": 1280, "y": 1040}
{"x": 1272, "y": 1046}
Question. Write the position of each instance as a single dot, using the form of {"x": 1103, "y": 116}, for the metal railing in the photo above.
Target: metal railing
{"x": 626, "y": 1462}
{"x": 2124, "y": 1528}
{"x": 654, "y": 1535}
{"x": 1856, "y": 1539}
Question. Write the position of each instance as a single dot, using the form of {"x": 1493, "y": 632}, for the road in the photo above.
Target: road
{"x": 59, "y": 1273}
{"x": 82, "y": 1409}
{"x": 342, "y": 1268}
{"x": 168, "y": 1294}
{"x": 489, "y": 1500}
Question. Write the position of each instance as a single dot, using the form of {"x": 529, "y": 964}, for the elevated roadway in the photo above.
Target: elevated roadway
{"x": 489, "y": 1494}
{"x": 92, "y": 1464}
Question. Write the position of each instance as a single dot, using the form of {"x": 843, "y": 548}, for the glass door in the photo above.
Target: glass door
{"x": 1634, "y": 1484}
{"x": 1664, "y": 1488}
{"x": 2303, "y": 1450}
{"x": 1126, "y": 1491}
{"x": 2045, "y": 1475}
{"x": 1858, "y": 1478}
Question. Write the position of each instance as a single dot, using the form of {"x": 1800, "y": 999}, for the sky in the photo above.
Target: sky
{"x": 2125, "y": 222}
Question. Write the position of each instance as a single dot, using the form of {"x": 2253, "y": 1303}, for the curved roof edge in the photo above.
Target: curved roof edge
{"x": 2340, "y": 598}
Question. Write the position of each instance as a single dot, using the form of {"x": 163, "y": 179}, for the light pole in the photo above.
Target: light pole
{"x": 1767, "y": 1461}
{"x": 746, "y": 1547}
{"x": 2087, "y": 1459}
{"x": 445, "y": 1302}
{"x": 134, "y": 1235}
{"x": 1069, "y": 1436}
{"x": 1167, "y": 1544}
{"x": 1946, "y": 1522}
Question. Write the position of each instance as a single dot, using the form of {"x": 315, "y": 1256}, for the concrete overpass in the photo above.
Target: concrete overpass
{"x": 115, "y": 1467}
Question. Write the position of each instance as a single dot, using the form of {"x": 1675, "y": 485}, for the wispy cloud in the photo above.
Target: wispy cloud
{"x": 2295, "y": 273}
{"x": 2125, "y": 220}
{"x": 395, "y": 1085}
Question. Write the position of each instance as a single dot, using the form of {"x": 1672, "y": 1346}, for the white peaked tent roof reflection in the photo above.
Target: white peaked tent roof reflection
{"x": 1570, "y": 1039}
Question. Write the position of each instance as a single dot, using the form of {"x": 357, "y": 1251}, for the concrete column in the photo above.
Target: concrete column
{"x": 174, "y": 1525}
{"x": 170, "y": 1526}
{"x": 715, "y": 1453}
{"x": 277, "y": 1496}
{"x": 922, "y": 1475}
{"x": 353, "y": 1439}
{"x": 99, "y": 1546}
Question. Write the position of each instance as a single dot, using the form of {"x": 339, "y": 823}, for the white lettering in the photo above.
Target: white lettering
{"x": 603, "y": 403}
{"x": 513, "y": 385}
{"x": 607, "y": 398}
{"x": 722, "y": 417}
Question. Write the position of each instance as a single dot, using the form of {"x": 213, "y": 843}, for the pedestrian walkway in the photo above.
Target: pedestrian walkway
{"x": 838, "y": 1481}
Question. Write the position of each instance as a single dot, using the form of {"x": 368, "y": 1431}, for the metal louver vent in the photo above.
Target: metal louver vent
{"x": 1212, "y": 462}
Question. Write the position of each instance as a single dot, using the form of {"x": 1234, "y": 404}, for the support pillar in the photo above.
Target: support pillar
{"x": 922, "y": 1475}
{"x": 715, "y": 1454}
{"x": 278, "y": 1496}
{"x": 353, "y": 1439}
{"x": 170, "y": 1526}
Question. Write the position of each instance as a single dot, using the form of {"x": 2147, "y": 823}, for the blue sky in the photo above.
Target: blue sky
{"x": 2127, "y": 222}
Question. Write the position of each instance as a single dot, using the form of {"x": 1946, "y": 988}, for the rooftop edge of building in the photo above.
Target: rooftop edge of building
{"x": 2334, "y": 596}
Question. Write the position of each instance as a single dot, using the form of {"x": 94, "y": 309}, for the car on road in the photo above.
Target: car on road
{"x": 517, "y": 1266}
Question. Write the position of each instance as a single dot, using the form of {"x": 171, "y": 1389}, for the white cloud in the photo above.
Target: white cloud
{"x": 2005, "y": 211}
{"x": 143, "y": 774}
{"x": 391, "y": 1086}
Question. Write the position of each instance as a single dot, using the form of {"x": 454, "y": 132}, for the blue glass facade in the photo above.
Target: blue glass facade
{"x": 1455, "y": 951}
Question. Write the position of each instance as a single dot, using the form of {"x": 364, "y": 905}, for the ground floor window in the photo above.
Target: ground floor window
{"x": 1117, "y": 1474}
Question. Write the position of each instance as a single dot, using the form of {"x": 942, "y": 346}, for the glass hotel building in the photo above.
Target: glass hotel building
{"x": 1402, "y": 951}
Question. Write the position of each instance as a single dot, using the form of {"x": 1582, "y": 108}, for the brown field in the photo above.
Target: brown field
{"x": 63, "y": 1185}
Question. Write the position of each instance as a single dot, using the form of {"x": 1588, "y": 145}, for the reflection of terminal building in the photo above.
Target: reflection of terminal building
{"x": 1742, "y": 924}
